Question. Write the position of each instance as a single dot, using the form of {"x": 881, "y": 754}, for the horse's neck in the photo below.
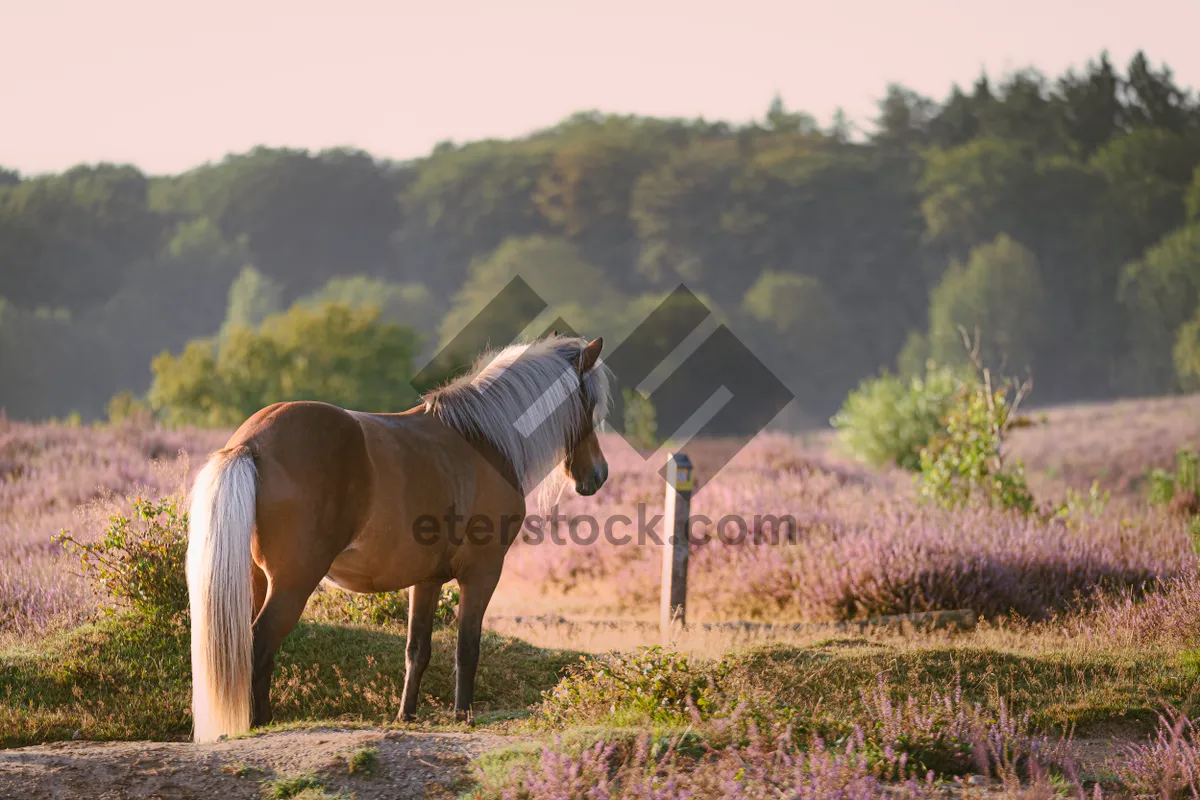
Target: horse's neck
{"x": 436, "y": 427}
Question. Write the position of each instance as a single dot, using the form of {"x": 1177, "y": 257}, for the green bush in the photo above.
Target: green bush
{"x": 1181, "y": 487}
{"x": 125, "y": 407}
{"x": 887, "y": 420}
{"x": 1077, "y": 506}
{"x": 140, "y": 560}
{"x": 650, "y": 682}
{"x": 335, "y": 353}
{"x": 999, "y": 291}
{"x": 964, "y": 462}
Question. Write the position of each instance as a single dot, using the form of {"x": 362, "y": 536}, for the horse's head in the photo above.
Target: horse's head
{"x": 585, "y": 462}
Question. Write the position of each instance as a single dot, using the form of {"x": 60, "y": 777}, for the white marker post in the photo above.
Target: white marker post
{"x": 675, "y": 545}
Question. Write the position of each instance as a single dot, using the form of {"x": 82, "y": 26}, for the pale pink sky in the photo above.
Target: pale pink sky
{"x": 169, "y": 85}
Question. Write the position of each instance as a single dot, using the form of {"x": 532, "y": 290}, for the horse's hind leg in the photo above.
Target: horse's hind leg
{"x": 475, "y": 594}
{"x": 279, "y": 615}
{"x": 422, "y": 605}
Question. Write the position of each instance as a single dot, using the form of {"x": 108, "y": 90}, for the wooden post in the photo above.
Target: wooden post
{"x": 675, "y": 544}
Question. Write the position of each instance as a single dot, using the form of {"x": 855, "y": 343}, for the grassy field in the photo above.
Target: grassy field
{"x": 1090, "y": 631}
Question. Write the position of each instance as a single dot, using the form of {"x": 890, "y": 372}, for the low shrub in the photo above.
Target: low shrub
{"x": 888, "y": 421}
{"x": 995, "y": 562}
{"x": 140, "y": 560}
{"x": 945, "y": 735}
{"x": 1168, "y": 766}
{"x": 1178, "y": 490}
{"x": 741, "y": 752}
{"x": 964, "y": 462}
{"x": 649, "y": 682}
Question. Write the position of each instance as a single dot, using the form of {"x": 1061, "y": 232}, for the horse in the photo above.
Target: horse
{"x": 306, "y": 491}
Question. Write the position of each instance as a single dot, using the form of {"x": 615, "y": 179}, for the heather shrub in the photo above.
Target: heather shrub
{"x": 995, "y": 562}
{"x": 140, "y": 560}
{"x": 892, "y": 750}
{"x": 1168, "y": 617}
{"x": 769, "y": 765}
{"x": 945, "y": 735}
{"x": 650, "y": 682}
{"x": 32, "y": 597}
{"x": 887, "y": 420}
{"x": 1168, "y": 766}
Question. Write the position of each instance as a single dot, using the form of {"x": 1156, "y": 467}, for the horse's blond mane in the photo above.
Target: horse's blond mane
{"x": 525, "y": 400}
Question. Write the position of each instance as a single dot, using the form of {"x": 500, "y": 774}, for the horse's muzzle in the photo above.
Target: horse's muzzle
{"x": 592, "y": 483}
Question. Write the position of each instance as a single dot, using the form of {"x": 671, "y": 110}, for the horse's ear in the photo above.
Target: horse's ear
{"x": 590, "y": 354}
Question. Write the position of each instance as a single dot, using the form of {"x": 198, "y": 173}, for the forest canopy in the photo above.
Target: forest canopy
{"x": 1060, "y": 216}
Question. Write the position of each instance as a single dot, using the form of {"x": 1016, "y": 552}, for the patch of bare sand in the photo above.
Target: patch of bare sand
{"x": 411, "y": 764}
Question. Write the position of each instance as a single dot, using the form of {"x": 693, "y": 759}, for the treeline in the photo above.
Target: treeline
{"x": 1059, "y": 216}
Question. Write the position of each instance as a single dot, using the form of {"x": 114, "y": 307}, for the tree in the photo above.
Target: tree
{"x": 70, "y": 240}
{"x": 587, "y": 191}
{"x": 999, "y": 293}
{"x": 904, "y": 118}
{"x": 840, "y": 127}
{"x": 1192, "y": 200}
{"x": 553, "y": 268}
{"x": 462, "y": 203}
{"x": 780, "y": 120}
{"x": 33, "y": 345}
{"x": 957, "y": 121}
{"x": 303, "y": 215}
{"x": 1161, "y": 293}
{"x": 1024, "y": 114}
{"x": 1186, "y": 354}
{"x": 336, "y": 354}
{"x": 1152, "y": 98}
{"x": 803, "y": 336}
{"x": 974, "y": 192}
{"x": 1147, "y": 174}
{"x": 409, "y": 304}
{"x": 678, "y": 210}
{"x": 1092, "y": 112}
{"x": 252, "y": 298}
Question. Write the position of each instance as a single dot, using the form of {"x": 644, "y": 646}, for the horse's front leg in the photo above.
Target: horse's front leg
{"x": 475, "y": 592}
{"x": 422, "y": 605}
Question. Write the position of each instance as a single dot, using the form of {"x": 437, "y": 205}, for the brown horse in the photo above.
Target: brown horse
{"x": 376, "y": 502}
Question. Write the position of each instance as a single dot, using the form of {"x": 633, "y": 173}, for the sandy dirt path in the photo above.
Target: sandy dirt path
{"x": 410, "y": 765}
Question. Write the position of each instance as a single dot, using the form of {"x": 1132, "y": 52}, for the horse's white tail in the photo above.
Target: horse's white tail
{"x": 219, "y": 586}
